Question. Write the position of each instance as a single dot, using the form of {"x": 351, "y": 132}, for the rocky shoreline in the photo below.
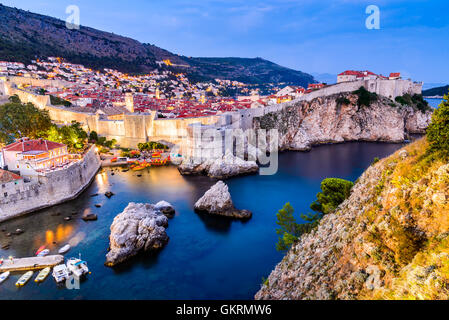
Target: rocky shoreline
{"x": 221, "y": 168}
{"x": 339, "y": 118}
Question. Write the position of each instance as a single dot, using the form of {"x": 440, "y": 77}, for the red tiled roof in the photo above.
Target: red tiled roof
{"x": 6, "y": 176}
{"x": 357, "y": 73}
{"x": 395, "y": 74}
{"x": 33, "y": 145}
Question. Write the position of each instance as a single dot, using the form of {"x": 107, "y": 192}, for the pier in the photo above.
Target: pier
{"x": 32, "y": 263}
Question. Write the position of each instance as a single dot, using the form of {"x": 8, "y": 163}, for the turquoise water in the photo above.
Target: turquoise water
{"x": 207, "y": 257}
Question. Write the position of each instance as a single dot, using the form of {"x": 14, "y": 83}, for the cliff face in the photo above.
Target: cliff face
{"x": 388, "y": 240}
{"x": 338, "y": 118}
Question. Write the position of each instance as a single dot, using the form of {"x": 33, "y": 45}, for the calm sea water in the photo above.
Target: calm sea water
{"x": 434, "y": 102}
{"x": 207, "y": 257}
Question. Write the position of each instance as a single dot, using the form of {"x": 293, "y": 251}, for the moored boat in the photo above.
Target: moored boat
{"x": 41, "y": 248}
{"x": 4, "y": 276}
{"x": 43, "y": 253}
{"x": 64, "y": 249}
{"x": 24, "y": 279}
{"x": 60, "y": 273}
{"x": 42, "y": 275}
{"x": 77, "y": 267}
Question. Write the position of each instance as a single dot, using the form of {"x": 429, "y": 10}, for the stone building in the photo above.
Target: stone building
{"x": 31, "y": 156}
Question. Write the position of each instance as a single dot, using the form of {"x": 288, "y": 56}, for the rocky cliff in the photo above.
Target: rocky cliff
{"x": 388, "y": 240}
{"x": 339, "y": 118}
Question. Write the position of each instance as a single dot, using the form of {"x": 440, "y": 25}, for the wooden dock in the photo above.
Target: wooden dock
{"x": 32, "y": 263}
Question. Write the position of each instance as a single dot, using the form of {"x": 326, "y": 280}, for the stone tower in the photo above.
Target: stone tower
{"x": 129, "y": 102}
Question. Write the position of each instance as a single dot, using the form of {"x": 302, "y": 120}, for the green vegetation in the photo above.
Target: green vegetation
{"x": 56, "y": 101}
{"x": 343, "y": 101}
{"x": 102, "y": 142}
{"x": 416, "y": 100}
{"x": 151, "y": 146}
{"x": 365, "y": 97}
{"x": 130, "y": 154}
{"x": 438, "y": 130}
{"x": 14, "y": 99}
{"x": 22, "y": 120}
{"x": 73, "y": 136}
{"x": 333, "y": 192}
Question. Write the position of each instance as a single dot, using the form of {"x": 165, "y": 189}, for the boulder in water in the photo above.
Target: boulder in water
{"x": 217, "y": 200}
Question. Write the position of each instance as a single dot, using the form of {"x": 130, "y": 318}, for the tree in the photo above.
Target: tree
{"x": 438, "y": 130}
{"x": 333, "y": 192}
{"x": 22, "y": 120}
{"x": 93, "y": 136}
{"x": 288, "y": 228}
{"x": 73, "y": 136}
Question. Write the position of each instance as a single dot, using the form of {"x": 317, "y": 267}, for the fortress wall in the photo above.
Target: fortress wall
{"x": 40, "y": 82}
{"x": 51, "y": 189}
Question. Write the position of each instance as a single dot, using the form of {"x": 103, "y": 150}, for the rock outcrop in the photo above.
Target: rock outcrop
{"x": 140, "y": 227}
{"x": 164, "y": 207}
{"x": 388, "y": 240}
{"x": 217, "y": 200}
{"x": 220, "y": 168}
{"x": 338, "y": 118}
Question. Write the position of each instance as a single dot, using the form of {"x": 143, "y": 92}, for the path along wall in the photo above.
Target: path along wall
{"x": 49, "y": 189}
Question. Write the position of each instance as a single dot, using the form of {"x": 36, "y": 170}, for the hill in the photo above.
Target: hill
{"x": 388, "y": 240}
{"x": 25, "y": 36}
{"x": 439, "y": 91}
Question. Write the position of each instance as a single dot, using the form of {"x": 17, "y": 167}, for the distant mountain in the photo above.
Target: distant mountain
{"x": 439, "y": 91}
{"x": 430, "y": 85}
{"x": 25, "y": 36}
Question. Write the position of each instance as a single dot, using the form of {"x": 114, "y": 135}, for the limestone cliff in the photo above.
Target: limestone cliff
{"x": 388, "y": 240}
{"x": 339, "y": 118}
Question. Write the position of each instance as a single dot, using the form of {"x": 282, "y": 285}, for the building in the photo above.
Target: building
{"x": 9, "y": 183}
{"x": 394, "y": 76}
{"x": 28, "y": 157}
{"x": 351, "y": 75}
{"x": 314, "y": 86}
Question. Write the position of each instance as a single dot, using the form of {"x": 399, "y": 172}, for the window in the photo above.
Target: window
{"x": 5, "y": 194}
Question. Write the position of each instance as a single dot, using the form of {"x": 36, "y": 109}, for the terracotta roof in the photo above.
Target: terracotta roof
{"x": 33, "y": 145}
{"x": 6, "y": 176}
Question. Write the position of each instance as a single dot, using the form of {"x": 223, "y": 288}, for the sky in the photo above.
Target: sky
{"x": 312, "y": 36}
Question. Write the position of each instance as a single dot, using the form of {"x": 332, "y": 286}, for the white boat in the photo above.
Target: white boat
{"x": 43, "y": 253}
{"x": 4, "y": 276}
{"x": 42, "y": 275}
{"x": 77, "y": 267}
{"x": 24, "y": 279}
{"x": 64, "y": 249}
{"x": 60, "y": 273}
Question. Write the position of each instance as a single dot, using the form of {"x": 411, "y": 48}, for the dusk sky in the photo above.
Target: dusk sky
{"x": 311, "y": 36}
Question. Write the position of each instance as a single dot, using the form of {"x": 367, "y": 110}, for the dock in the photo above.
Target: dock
{"x": 31, "y": 263}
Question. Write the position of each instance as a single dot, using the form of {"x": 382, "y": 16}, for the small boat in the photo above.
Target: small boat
{"x": 42, "y": 275}
{"x": 43, "y": 253}
{"x": 42, "y": 248}
{"x": 64, "y": 249}
{"x": 60, "y": 273}
{"x": 24, "y": 279}
{"x": 4, "y": 276}
{"x": 78, "y": 267}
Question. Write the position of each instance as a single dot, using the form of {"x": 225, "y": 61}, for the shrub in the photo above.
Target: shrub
{"x": 333, "y": 192}
{"x": 365, "y": 97}
{"x": 438, "y": 130}
{"x": 343, "y": 101}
